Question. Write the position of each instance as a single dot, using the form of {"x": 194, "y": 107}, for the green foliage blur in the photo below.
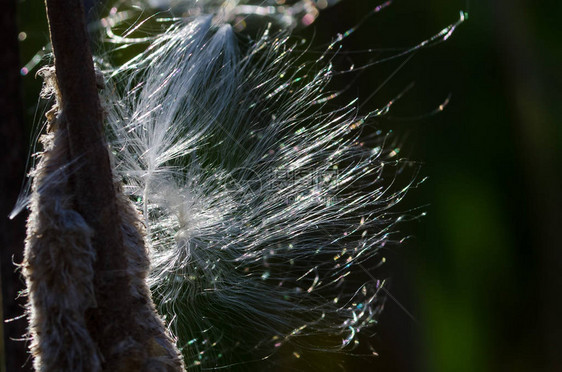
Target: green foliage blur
{"x": 477, "y": 286}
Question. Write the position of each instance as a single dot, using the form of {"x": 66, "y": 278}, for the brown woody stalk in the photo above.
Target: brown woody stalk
{"x": 92, "y": 179}
{"x": 123, "y": 323}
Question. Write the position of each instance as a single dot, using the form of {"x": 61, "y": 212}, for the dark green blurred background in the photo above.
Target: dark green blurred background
{"x": 481, "y": 277}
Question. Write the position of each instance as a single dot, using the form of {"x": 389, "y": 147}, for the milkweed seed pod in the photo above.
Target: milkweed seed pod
{"x": 59, "y": 267}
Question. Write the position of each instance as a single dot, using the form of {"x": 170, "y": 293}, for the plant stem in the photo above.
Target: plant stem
{"x": 92, "y": 180}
